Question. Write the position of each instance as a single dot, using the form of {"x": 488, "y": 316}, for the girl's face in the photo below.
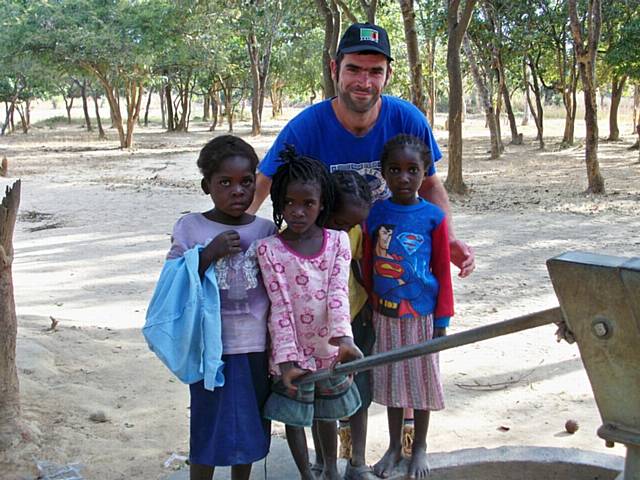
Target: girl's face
{"x": 302, "y": 206}
{"x": 404, "y": 172}
{"x": 353, "y": 212}
{"x": 232, "y": 186}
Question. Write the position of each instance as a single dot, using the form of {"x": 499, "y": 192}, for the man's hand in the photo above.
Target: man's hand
{"x": 347, "y": 350}
{"x": 463, "y": 257}
{"x": 290, "y": 371}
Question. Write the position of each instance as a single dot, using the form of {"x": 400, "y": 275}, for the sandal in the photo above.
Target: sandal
{"x": 360, "y": 472}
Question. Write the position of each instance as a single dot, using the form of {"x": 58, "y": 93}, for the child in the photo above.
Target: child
{"x": 227, "y": 427}
{"x": 306, "y": 272}
{"x": 411, "y": 294}
{"x": 351, "y": 208}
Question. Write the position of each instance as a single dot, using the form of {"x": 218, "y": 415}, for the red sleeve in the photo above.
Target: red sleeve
{"x": 441, "y": 269}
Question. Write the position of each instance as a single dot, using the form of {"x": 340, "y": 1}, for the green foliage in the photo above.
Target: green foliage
{"x": 624, "y": 56}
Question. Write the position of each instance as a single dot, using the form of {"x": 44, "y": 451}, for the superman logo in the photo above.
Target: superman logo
{"x": 410, "y": 241}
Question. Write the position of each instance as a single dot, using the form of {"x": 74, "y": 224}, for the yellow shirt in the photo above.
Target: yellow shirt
{"x": 357, "y": 293}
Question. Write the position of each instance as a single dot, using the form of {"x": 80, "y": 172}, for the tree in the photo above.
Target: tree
{"x": 485, "y": 97}
{"x": 331, "y": 14}
{"x": 557, "y": 69}
{"x": 86, "y": 35}
{"x": 262, "y": 21}
{"x": 432, "y": 15}
{"x": 10, "y": 424}
{"x": 498, "y": 14}
{"x": 618, "y": 24}
{"x": 457, "y": 24}
{"x": 586, "y": 49}
{"x": 413, "y": 54}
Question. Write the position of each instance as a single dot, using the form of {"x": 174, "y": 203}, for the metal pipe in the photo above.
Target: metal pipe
{"x": 525, "y": 322}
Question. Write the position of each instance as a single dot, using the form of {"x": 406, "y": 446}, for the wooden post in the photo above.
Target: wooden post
{"x": 9, "y": 392}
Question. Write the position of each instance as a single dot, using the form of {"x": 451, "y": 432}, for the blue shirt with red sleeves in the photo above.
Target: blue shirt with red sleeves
{"x": 408, "y": 261}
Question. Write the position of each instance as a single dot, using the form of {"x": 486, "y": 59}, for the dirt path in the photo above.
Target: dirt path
{"x": 94, "y": 228}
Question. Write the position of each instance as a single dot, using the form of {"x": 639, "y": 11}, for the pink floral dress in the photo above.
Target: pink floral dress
{"x": 309, "y": 300}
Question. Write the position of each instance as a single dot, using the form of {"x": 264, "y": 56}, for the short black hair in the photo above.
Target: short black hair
{"x": 219, "y": 149}
{"x": 407, "y": 141}
{"x": 349, "y": 184}
{"x": 300, "y": 168}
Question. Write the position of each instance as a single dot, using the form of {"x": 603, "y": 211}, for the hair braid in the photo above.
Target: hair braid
{"x": 295, "y": 167}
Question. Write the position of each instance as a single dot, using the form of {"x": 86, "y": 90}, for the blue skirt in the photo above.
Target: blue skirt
{"x": 227, "y": 427}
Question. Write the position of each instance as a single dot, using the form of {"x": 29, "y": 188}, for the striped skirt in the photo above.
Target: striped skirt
{"x": 413, "y": 383}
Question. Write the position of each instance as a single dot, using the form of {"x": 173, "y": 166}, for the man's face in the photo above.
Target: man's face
{"x": 361, "y": 79}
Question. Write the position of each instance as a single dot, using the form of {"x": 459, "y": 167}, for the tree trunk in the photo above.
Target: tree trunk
{"x": 331, "y": 34}
{"x": 9, "y": 107}
{"x": 183, "y": 100}
{"x": 134, "y": 101}
{"x": 215, "y": 107}
{"x": 27, "y": 112}
{"x": 636, "y": 105}
{"x": 370, "y": 10}
{"x": 569, "y": 100}
{"x": 516, "y": 138}
{"x": 228, "y": 102}
{"x": 485, "y": 99}
{"x": 413, "y": 54}
{"x": 206, "y": 107}
{"x": 456, "y": 28}
{"x": 68, "y": 105}
{"x": 538, "y": 112}
{"x": 431, "y": 81}
{"x": 163, "y": 108}
{"x": 586, "y": 57}
{"x": 101, "y": 133}
{"x": 10, "y": 423}
{"x": 114, "y": 107}
{"x": 617, "y": 87}
{"x": 146, "y": 109}
{"x": 526, "y": 114}
{"x": 23, "y": 119}
{"x": 169, "y": 107}
{"x": 85, "y": 104}
{"x": 254, "y": 57}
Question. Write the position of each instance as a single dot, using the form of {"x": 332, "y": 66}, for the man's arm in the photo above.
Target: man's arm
{"x": 462, "y": 255}
{"x": 263, "y": 187}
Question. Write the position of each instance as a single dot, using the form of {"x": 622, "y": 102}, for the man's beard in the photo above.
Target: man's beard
{"x": 355, "y": 106}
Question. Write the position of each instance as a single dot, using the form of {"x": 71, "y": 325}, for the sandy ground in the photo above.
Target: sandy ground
{"x": 93, "y": 230}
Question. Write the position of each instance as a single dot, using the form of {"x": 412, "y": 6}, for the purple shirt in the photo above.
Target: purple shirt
{"x": 244, "y": 321}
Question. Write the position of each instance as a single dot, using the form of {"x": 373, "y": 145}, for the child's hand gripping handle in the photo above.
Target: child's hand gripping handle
{"x": 290, "y": 371}
{"x": 347, "y": 350}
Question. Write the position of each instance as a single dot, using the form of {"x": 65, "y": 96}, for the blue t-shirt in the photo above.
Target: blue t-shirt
{"x": 408, "y": 248}
{"x": 316, "y": 132}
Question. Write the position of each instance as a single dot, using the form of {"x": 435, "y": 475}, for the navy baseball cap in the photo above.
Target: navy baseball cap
{"x": 365, "y": 37}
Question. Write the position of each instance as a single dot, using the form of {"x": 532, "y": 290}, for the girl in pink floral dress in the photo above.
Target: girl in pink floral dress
{"x": 306, "y": 272}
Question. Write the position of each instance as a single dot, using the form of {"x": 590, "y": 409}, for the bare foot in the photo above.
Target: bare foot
{"x": 388, "y": 462}
{"x": 418, "y": 465}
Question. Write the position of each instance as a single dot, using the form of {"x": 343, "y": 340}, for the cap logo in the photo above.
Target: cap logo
{"x": 368, "y": 35}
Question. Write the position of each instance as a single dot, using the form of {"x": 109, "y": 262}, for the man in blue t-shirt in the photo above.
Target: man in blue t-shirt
{"x": 349, "y": 131}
